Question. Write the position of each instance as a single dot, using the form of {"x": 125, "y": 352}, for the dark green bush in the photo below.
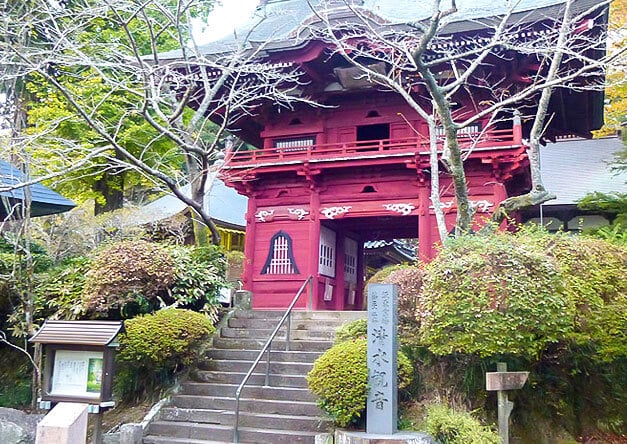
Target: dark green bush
{"x": 449, "y": 426}
{"x": 340, "y": 380}
{"x": 127, "y": 278}
{"x": 155, "y": 346}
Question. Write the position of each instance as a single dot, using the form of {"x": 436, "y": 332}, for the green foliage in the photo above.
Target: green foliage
{"x": 128, "y": 277}
{"x": 449, "y": 426}
{"x": 15, "y": 379}
{"x": 13, "y": 255}
{"x": 380, "y": 276}
{"x": 410, "y": 304}
{"x": 59, "y": 294}
{"x": 593, "y": 279}
{"x": 200, "y": 274}
{"x": 155, "y": 346}
{"x": 352, "y": 330}
{"x": 613, "y": 204}
{"x": 576, "y": 380}
{"x": 493, "y": 295}
{"x": 340, "y": 380}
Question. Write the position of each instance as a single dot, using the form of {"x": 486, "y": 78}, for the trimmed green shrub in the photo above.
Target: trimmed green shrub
{"x": 449, "y": 426}
{"x": 352, "y": 330}
{"x": 380, "y": 276}
{"x": 128, "y": 277}
{"x": 340, "y": 380}
{"x": 155, "y": 346}
{"x": 493, "y": 295}
{"x": 593, "y": 275}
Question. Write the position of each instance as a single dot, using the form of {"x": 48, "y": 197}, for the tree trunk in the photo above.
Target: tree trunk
{"x": 111, "y": 187}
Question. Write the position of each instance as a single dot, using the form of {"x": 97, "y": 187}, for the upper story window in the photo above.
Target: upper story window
{"x": 295, "y": 143}
{"x": 280, "y": 258}
{"x": 469, "y": 130}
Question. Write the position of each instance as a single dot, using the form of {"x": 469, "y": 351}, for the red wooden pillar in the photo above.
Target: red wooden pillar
{"x": 314, "y": 243}
{"x": 425, "y": 226}
{"x": 249, "y": 244}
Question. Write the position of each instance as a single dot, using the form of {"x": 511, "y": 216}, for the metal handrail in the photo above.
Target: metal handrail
{"x": 266, "y": 348}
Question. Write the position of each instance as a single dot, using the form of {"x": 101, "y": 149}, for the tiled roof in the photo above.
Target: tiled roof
{"x": 280, "y": 20}
{"x": 44, "y": 200}
{"x": 572, "y": 168}
{"x": 395, "y": 244}
{"x": 224, "y": 205}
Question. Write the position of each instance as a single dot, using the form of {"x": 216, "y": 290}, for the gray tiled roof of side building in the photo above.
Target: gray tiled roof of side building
{"x": 572, "y": 168}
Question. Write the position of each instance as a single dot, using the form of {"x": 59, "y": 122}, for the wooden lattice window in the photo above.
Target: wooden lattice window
{"x": 326, "y": 264}
{"x": 295, "y": 143}
{"x": 350, "y": 260}
{"x": 280, "y": 258}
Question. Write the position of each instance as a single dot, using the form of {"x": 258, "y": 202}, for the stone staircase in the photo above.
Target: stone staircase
{"x": 285, "y": 412}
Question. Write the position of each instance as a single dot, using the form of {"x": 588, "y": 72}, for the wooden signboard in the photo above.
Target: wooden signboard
{"x": 495, "y": 381}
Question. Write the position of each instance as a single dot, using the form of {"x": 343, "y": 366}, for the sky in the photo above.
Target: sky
{"x": 224, "y": 19}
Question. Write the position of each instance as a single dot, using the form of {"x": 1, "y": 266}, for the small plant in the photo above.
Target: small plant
{"x": 449, "y": 426}
{"x": 340, "y": 380}
{"x": 154, "y": 347}
{"x": 353, "y": 330}
{"x": 200, "y": 274}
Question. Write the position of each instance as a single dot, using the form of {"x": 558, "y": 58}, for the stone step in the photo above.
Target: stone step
{"x": 265, "y": 421}
{"x": 257, "y": 378}
{"x": 250, "y": 405}
{"x": 154, "y": 439}
{"x": 189, "y": 431}
{"x": 297, "y": 324}
{"x": 275, "y": 356}
{"x": 257, "y": 344}
{"x": 340, "y": 316}
{"x": 253, "y": 333}
{"x": 278, "y": 368}
{"x": 249, "y": 391}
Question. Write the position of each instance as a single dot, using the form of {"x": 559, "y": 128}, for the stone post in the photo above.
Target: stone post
{"x": 382, "y": 403}
{"x": 66, "y": 423}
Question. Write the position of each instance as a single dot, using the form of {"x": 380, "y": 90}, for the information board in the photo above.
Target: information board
{"x": 77, "y": 373}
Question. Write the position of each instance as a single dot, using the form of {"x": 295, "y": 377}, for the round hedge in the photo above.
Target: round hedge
{"x": 340, "y": 380}
{"x": 154, "y": 346}
{"x": 493, "y": 295}
{"x": 128, "y": 274}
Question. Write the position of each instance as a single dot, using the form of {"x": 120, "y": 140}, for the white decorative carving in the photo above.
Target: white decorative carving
{"x": 404, "y": 209}
{"x": 332, "y": 212}
{"x": 481, "y": 205}
{"x": 300, "y": 213}
{"x": 262, "y": 214}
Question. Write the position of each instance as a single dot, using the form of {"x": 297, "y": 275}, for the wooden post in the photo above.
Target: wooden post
{"x": 97, "y": 435}
{"x": 505, "y": 407}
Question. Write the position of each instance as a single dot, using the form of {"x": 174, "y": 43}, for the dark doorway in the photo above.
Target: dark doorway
{"x": 373, "y": 132}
